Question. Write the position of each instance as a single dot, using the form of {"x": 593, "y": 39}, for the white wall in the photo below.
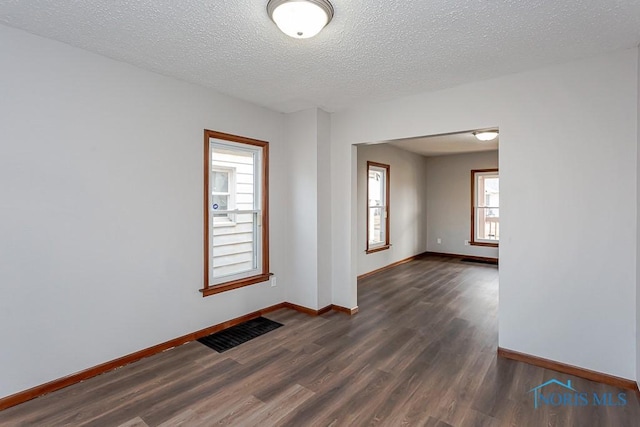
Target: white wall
{"x": 101, "y": 206}
{"x": 448, "y": 202}
{"x": 568, "y": 137}
{"x": 407, "y": 213}
{"x": 308, "y": 135}
{"x": 302, "y": 138}
{"x": 324, "y": 209}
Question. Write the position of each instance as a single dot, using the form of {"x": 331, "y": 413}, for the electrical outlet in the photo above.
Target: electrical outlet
{"x": 273, "y": 281}
{"x": 439, "y": 240}
{"x": 466, "y": 242}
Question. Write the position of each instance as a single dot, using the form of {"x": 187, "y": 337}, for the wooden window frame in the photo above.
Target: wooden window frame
{"x": 473, "y": 240}
{"x": 264, "y": 274}
{"x": 387, "y": 244}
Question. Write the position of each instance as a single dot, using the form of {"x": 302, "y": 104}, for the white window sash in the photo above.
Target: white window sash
{"x": 257, "y": 200}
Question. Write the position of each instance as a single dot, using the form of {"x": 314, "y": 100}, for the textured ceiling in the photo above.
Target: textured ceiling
{"x": 372, "y": 50}
{"x": 440, "y": 145}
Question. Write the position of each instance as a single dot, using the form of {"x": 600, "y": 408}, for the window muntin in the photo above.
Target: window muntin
{"x": 236, "y": 212}
{"x": 485, "y": 207}
{"x": 377, "y": 207}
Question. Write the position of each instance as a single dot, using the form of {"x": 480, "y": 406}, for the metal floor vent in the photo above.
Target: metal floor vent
{"x": 236, "y": 335}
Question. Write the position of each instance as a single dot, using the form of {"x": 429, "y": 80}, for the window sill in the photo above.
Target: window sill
{"x": 487, "y": 244}
{"x": 377, "y": 249}
{"x": 228, "y": 286}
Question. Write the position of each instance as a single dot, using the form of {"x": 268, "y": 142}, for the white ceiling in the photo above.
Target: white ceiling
{"x": 440, "y": 145}
{"x": 371, "y": 51}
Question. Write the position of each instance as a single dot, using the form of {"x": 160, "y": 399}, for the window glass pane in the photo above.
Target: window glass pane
{"x": 488, "y": 223}
{"x": 376, "y": 188}
{"x": 376, "y": 225}
{"x": 241, "y": 188}
{"x": 236, "y": 239}
{"x": 235, "y": 250}
{"x": 478, "y": 197}
{"x": 220, "y": 182}
{"x": 220, "y": 203}
{"x": 492, "y": 191}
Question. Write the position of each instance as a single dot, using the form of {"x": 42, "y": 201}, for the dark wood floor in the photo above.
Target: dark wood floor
{"x": 422, "y": 351}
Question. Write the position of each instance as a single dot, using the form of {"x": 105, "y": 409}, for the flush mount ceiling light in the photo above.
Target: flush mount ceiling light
{"x": 300, "y": 19}
{"x": 486, "y": 135}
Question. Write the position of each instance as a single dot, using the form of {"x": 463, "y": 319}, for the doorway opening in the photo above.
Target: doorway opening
{"x": 436, "y": 195}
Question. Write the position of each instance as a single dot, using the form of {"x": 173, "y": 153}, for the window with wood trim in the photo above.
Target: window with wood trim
{"x": 377, "y": 207}
{"x": 485, "y": 207}
{"x": 236, "y": 218}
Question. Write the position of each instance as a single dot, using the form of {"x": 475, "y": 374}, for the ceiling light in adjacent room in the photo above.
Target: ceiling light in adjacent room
{"x": 486, "y": 135}
{"x": 300, "y": 19}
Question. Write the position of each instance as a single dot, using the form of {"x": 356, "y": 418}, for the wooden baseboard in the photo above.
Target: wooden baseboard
{"x": 323, "y": 310}
{"x": 307, "y": 310}
{"x": 411, "y": 258}
{"x": 23, "y": 396}
{"x": 459, "y": 256}
{"x": 350, "y": 311}
{"x": 394, "y": 264}
{"x": 569, "y": 369}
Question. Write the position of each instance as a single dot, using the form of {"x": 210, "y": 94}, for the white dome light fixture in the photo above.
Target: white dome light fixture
{"x": 486, "y": 135}
{"x": 300, "y": 19}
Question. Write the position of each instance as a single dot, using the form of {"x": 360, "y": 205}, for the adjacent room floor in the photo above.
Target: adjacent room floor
{"x": 422, "y": 351}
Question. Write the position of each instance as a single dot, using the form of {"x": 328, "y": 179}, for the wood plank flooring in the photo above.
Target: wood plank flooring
{"x": 422, "y": 351}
